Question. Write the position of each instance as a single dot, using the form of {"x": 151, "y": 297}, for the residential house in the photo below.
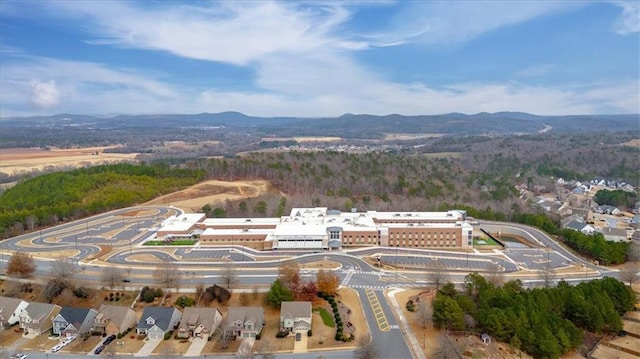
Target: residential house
{"x": 156, "y": 321}
{"x": 9, "y": 310}
{"x": 199, "y": 322}
{"x": 614, "y": 234}
{"x": 607, "y": 209}
{"x": 74, "y": 321}
{"x": 577, "y": 225}
{"x": 295, "y": 316}
{"x": 244, "y": 322}
{"x": 114, "y": 319}
{"x": 37, "y": 318}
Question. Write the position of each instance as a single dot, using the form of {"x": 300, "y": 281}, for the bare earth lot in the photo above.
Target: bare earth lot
{"x": 212, "y": 192}
{"x": 24, "y": 160}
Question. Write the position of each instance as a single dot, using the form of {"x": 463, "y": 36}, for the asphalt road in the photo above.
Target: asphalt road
{"x": 205, "y": 266}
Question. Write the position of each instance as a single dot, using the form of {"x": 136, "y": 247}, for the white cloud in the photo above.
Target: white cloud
{"x": 230, "y": 32}
{"x": 456, "y": 22}
{"x": 629, "y": 21}
{"x": 45, "y": 94}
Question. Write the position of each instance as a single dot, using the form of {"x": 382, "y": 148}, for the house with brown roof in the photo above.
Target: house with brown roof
{"x": 114, "y": 319}
{"x": 295, "y": 316}
{"x": 9, "y": 310}
{"x": 198, "y": 322}
{"x": 37, "y": 318}
{"x": 244, "y": 322}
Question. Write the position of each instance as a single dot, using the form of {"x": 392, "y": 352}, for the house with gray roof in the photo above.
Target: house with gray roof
{"x": 295, "y": 316}
{"x": 9, "y": 310}
{"x": 614, "y": 234}
{"x": 37, "y": 318}
{"x": 577, "y": 225}
{"x": 114, "y": 319}
{"x": 244, "y": 322}
{"x": 74, "y": 321}
{"x": 156, "y": 321}
{"x": 199, "y": 322}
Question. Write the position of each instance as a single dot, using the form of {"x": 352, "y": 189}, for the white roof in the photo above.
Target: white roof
{"x": 181, "y": 223}
{"x": 239, "y": 221}
{"x": 236, "y": 232}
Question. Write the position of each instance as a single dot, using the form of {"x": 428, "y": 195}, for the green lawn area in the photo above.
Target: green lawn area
{"x": 327, "y": 318}
{"x": 182, "y": 242}
{"x": 487, "y": 242}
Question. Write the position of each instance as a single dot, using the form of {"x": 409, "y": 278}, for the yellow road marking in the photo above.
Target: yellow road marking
{"x": 378, "y": 312}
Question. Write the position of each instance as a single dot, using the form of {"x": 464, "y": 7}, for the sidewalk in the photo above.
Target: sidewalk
{"x": 414, "y": 346}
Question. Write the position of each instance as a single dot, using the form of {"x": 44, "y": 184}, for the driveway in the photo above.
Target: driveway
{"x": 301, "y": 346}
{"x": 197, "y": 344}
{"x": 147, "y": 348}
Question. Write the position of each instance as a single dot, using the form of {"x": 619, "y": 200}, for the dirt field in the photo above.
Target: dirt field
{"x": 24, "y": 160}
{"x": 213, "y": 192}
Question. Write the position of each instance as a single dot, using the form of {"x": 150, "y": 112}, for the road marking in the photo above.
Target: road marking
{"x": 378, "y": 312}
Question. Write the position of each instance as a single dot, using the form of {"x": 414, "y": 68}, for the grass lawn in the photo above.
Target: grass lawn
{"x": 327, "y": 318}
{"x": 485, "y": 241}
{"x": 182, "y": 242}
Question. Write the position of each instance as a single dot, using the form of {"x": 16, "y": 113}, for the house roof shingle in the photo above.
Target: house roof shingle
{"x": 161, "y": 315}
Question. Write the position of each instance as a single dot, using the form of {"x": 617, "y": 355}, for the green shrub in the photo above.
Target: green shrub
{"x": 309, "y": 332}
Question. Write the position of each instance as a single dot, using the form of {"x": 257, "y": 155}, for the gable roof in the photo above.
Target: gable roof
{"x": 74, "y": 315}
{"x": 245, "y": 314}
{"x": 204, "y": 316}
{"x": 39, "y": 311}
{"x": 161, "y": 316}
{"x": 296, "y": 309}
{"x": 576, "y": 225}
{"x": 8, "y": 306}
{"x": 115, "y": 313}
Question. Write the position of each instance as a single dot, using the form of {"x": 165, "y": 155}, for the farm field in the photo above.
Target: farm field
{"x": 15, "y": 161}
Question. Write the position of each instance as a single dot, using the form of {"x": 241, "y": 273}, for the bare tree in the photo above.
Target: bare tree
{"x": 167, "y": 276}
{"x": 425, "y": 314}
{"x": 112, "y": 276}
{"x": 64, "y": 270}
{"x": 229, "y": 276}
{"x": 21, "y": 265}
{"x": 366, "y": 348}
{"x": 629, "y": 273}
{"x": 547, "y": 274}
{"x": 445, "y": 349}
{"x": 494, "y": 273}
{"x": 266, "y": 349}
{"x": 289, "y": 274}
{"x": 31, "y": 221}
{"x": 437, "y": 275}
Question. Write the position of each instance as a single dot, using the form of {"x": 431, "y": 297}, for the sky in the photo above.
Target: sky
{"x": 319, "y": 58}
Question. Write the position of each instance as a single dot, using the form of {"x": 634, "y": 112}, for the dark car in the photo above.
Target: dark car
{"x": 99, "y": 350}
{"x": 126, "y": 280}
{"x": 109, "y": 339}
{"x": 298, "y": 337}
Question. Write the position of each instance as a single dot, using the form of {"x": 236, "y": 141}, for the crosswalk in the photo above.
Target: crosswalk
{"x": 383, "y": 287}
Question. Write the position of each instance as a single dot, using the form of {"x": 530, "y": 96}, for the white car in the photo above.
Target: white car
{"x": 57, "y": 348}
{"x": 20, "y": 356}
{"x": 69, "y": 340}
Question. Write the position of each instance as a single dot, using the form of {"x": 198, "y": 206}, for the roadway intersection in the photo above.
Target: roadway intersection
{"x": 125, "y": 230}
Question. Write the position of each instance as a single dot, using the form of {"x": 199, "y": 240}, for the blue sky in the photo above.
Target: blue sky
{"x": 319, "y": 58}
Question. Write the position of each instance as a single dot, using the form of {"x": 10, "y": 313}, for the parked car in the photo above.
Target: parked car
{"x": 109, "y": 339}
{"x": 298, "y": 337}
{"x": 69, "y": 340}
{"x": 19, "y": 356}
{"x": 126, "y": 280}
{"x": 99, "y": 350}
{"x": 57, "y": 348}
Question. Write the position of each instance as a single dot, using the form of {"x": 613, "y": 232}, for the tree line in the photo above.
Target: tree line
{"x": 48, "y": 199}
{"x": 544, "y": 322}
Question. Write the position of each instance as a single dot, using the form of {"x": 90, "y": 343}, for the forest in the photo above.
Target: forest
{"x": 63, "y": 196}
{"x": 617, "y": 198}
{"x": 544, "y": 322}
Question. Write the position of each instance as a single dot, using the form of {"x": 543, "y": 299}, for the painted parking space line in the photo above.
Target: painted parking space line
{"x": 378, "y": 312}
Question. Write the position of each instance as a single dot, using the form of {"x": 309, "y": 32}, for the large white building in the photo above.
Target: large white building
{"x": 320, "y": 228}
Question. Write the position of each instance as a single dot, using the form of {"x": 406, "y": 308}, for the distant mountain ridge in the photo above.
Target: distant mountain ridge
{"x": 347, "y": 125}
